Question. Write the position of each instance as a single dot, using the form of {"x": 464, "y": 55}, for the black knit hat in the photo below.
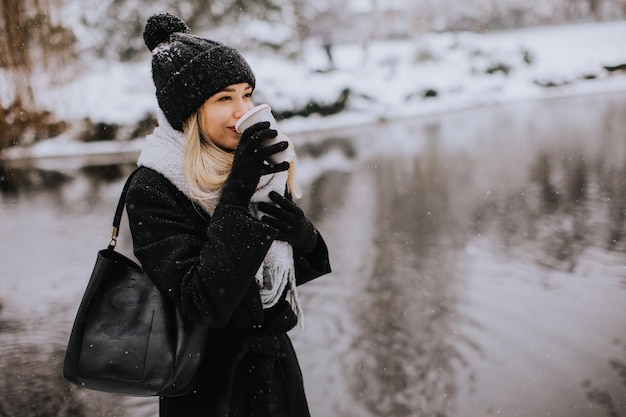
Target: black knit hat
{"x": 187, "y": 69}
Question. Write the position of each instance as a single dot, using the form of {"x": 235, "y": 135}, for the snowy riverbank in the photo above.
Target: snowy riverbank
{"x": 388, "y": 80}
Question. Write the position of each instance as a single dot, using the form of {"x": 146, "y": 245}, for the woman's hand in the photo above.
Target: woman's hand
{"x": 251, "y": 161}
{"x": 292, "y": 224}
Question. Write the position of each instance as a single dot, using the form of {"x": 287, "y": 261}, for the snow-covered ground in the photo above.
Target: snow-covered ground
{"x": 387, "y": 79}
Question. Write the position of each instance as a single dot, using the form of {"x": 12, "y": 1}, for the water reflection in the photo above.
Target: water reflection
{"x": 325, "y": 195}
{"x": 408, "y": 317}
{"x": 547, "y": 207}
{"x": 23, "y": 182}
{"x": 572, "y": 202}
{"x": 16, "y": 182}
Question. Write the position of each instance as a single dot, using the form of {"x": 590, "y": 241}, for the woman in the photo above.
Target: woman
{"x": 213, "y": 224}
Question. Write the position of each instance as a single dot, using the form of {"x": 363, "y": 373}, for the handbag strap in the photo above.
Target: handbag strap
{"x": 115, "y": 228}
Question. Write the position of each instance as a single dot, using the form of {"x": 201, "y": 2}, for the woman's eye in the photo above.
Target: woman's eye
{"x": 223, "y": 98}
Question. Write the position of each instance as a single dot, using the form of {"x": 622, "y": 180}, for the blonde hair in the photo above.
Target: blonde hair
{"x": 206, "y": 165}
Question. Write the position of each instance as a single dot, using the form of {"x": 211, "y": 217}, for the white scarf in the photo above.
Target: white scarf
{"x": 164, "y": 153}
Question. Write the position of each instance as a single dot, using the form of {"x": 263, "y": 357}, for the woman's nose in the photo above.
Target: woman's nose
{"x": 242, "y": 108}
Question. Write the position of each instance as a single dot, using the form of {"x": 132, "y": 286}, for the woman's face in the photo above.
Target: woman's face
{"x": 222, "y": 110}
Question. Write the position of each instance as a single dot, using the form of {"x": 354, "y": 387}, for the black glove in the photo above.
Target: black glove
{"x": 292, "y": 224}
{"x": 250, "y": 162}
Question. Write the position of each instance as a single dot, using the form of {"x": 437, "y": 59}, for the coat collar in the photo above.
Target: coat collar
{"x": 164, "y": 153}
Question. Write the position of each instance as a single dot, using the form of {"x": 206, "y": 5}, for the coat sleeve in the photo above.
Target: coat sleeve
{"x": 313, "y": 264}
{"x": 207, "y": 272}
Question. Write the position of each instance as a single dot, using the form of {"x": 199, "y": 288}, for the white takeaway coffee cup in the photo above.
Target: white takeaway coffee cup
{"x": 263, "y": 113}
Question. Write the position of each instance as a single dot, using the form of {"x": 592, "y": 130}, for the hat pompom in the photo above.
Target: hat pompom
{"x": 160, "y": 27}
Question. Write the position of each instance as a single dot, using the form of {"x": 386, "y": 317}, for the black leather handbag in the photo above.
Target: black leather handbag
{"x": 128, "y": 337}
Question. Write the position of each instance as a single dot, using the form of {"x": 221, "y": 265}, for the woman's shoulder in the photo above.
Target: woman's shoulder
{"x": 146, "y": 181}
{"x": 151, "y": 191}
{"x": 145, "y": 174}
{"x": 145, "y": 177}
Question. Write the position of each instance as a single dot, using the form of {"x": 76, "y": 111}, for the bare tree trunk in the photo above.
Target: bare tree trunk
{"x": 596, "y": 9}
{"x": 30, "y": 42}
{"x": 13, "y": 42}
{"x": 4, "y": 130}
{"x": 14, "y": 48}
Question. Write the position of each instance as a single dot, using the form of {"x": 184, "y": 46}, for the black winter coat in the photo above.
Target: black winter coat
{"x": 207, "y": 265}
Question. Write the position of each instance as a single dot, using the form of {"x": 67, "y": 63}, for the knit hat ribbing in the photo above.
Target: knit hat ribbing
{"x": 187, "y": 69}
